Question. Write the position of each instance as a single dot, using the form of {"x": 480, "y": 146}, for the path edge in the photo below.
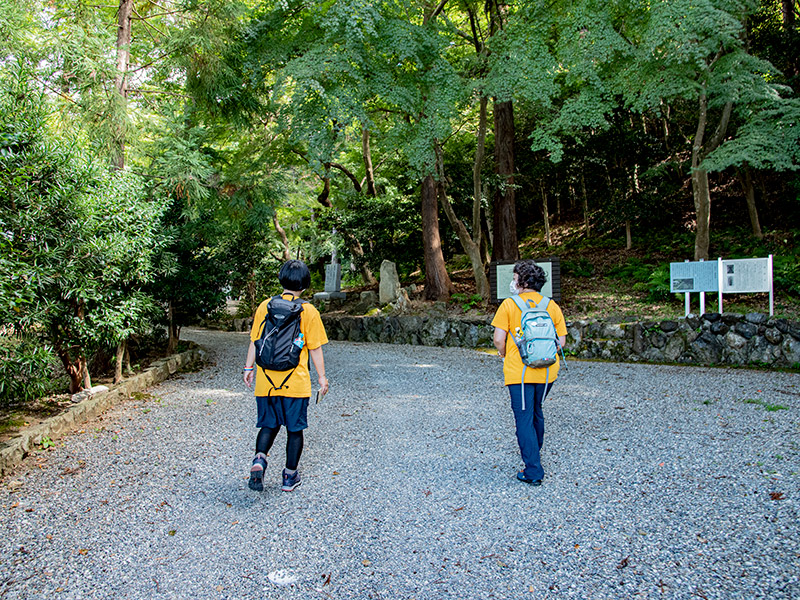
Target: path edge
{"x": 17, "y": 449}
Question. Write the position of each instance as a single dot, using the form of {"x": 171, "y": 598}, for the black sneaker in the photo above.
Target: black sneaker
{"x": 290, "y": 481}
{"x": 256, "y": 482}
{"x": 534, "y": 482}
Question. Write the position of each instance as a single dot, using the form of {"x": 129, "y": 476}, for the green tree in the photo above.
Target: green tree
{"x": 86, "y": 237}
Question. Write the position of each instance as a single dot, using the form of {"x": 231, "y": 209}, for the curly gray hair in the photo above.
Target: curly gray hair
{"x": 531, "y": 275}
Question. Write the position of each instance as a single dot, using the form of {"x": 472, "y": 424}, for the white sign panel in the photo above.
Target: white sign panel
{"x": 693, "y": 277}
{"x": 505, "y": 274}
{"x": 745, "y": 275}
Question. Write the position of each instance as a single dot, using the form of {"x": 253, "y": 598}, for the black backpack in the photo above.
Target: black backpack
{"x": 281, "y": 341}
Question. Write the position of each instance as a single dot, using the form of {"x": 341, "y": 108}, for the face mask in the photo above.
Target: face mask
{"x": 513, "y": 287}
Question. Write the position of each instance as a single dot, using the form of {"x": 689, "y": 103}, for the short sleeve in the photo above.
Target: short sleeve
{"x": 314, "y": 329}
{"x": 258, "y": 318}
{"x": 501, "y": 317}
{"x": 558, "y": 318}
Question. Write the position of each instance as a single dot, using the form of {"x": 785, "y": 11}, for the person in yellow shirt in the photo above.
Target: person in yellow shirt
{"x": 287, "y": 404}
{"x": 528, "y": 416}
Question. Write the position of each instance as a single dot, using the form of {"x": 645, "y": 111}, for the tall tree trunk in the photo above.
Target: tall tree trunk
{"x": 628, "y": 237}
{"x": 469, "y": 245}
{"x": 558, "y": 204}
{"x": 700, "y": 188}
{"x": 120, "y": 356}
{"x": 506, "y": 246}
{"x": 365, "y": 147}
{"x": 127, "y": 361}
{"x": 585, "y": 204}
{"x": 437, "y": 282}
{"x": 123, "y": 48}
{"x": 284, "y": 238}
{"x": 546, "y": 215}
{"x": 788, "y": 9}
{"x": 87, "y": 379}
{"x": 486, "y": 252}
{"x": 477, "y": 167}
{"x": 746, "y": 179}
{"x": 172, "y": 343}
{"x": 74, "y": 368}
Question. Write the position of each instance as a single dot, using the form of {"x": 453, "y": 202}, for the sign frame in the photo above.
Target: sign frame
{"x": 551, "y": 266}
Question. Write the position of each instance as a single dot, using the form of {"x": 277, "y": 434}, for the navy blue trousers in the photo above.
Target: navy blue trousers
{"x": 530, "y": 425}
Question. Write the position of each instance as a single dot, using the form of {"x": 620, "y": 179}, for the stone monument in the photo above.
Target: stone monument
{"x": 333, "y": 283}
{"x": 390, "y": 283}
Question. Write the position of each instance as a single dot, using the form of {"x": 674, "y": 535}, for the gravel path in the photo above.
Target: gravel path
{"x": 661, "y": 482}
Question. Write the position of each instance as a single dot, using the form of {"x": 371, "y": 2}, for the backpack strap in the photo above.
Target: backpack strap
{"x": 272, "y": 383}
{"x": 543, "y": 303}
{"x": 519, "y": 302}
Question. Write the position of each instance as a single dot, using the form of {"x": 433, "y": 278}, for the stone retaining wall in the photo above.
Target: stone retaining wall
{"x": 713, "y": 339}
{"x": 474, "y": 332}
{"x": 16, "y": 449}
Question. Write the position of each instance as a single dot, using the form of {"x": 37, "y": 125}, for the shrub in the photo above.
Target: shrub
{"x": 786, "y": 274}
{"x": 579, "y": 268}
{"x": 25, "y": 370}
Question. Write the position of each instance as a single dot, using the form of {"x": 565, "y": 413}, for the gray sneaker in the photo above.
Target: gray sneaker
{"x": 290, "y": 481}
{"x": 256, "y": 481}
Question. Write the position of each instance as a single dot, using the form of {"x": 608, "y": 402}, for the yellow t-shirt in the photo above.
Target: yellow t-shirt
{"x": 508, "y": 318}
{"x": 299, "y": 384}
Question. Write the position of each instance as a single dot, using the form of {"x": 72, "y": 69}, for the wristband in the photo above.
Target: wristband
{"x": 249, "y": 368}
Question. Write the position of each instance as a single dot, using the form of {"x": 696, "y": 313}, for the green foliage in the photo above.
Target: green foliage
{"x": 652, "y": 279}
{"x": 786, "y": 274}
{"x": 769, "y": 139}
{"x": 25, "y": 369}
{"x": 83, "y": 239}
{"x": 769, "y": 407}
{"x": 467, "y": 301}
{"x": 388, "y": 226}
{"x": 580, "y": 267}
{"x": 656, "y": 285}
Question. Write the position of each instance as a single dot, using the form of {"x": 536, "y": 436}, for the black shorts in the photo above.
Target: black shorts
{"x": 274, "y": 411}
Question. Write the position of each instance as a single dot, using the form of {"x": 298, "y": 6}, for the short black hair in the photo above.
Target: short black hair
{"x": 295, "y": 276}
{"x": 531, "y": 275}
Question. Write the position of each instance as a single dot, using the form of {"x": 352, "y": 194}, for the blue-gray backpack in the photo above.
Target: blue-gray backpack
{"x": 536, "y": 337}
{"x": 281, "y": 341}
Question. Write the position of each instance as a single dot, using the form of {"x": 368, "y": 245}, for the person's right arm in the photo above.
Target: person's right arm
{"x": 500, "y": 336}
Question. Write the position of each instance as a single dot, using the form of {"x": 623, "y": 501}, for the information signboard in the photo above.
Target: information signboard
{"x": 731, "y": 276}
{"x": 686, "y": 277}
{"x": 746, "y": 275}
{"x": 501, "y": 274}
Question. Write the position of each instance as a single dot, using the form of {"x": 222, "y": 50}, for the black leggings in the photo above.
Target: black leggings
{"x": 294, "y": 444}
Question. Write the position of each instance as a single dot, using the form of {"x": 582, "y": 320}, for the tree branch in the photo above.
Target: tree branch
{"x": 350, "y": 176}
{"x": 722, "y": 127}
{"x": 438, "y": 9}
{"x": 144, "y": 20}
{"x": 164, "y": 14}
